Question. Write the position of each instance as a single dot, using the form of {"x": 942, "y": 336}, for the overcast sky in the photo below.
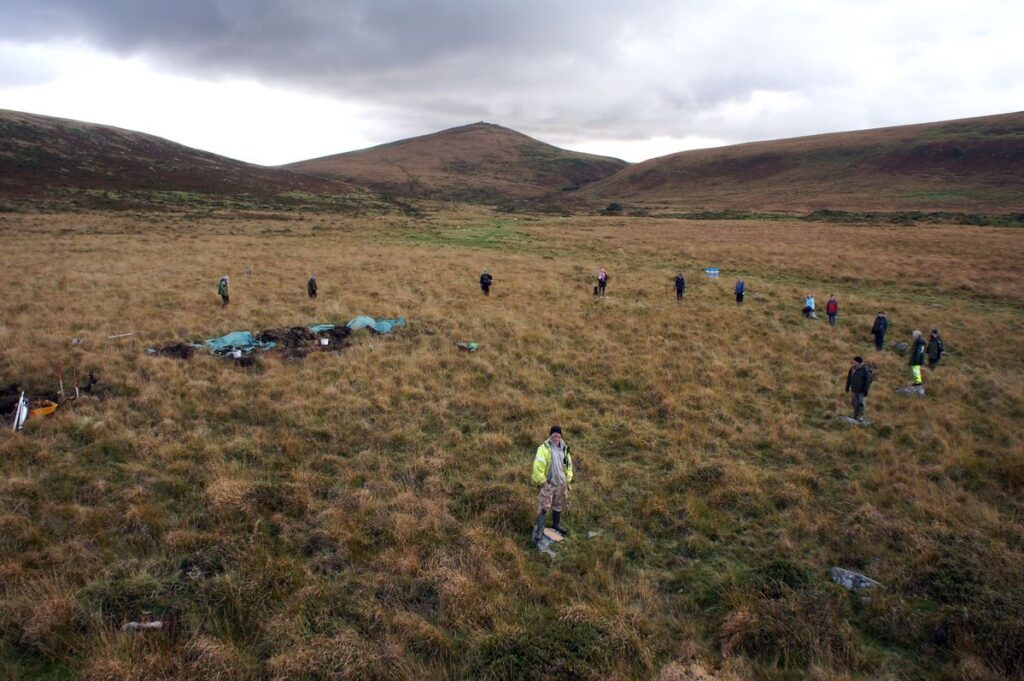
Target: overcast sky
{"x": 275, "y": 81}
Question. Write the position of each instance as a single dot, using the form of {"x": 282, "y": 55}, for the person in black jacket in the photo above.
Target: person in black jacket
{"x": 680, "y": 286}
{"x": 485, "y": 282}
{"x": 935, "y": 349}
{"x": 311, "y": 287}
{"x": 858, "y": 382}
{"x": 878, "y": 330}
{"x": 917, "y": 357}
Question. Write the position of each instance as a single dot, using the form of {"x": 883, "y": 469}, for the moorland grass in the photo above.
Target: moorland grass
{"x": 366, "y": 513}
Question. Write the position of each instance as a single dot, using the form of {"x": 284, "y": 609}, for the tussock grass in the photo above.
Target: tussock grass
{"x": 365, "y": 514}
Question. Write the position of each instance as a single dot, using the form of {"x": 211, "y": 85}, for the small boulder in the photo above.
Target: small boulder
{"x": 544, "y": 546}
{"x": 851, "y": 581}
{"x": 854, "y": 422}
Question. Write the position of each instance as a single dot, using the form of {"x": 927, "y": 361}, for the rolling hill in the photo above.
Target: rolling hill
{"x": 52, "y": 158}
{"x": 481, "y": 162}
{"x": 974, "y": 165}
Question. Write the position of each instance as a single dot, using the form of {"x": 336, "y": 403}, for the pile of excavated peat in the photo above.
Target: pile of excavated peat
{"x": 294, "y": 342}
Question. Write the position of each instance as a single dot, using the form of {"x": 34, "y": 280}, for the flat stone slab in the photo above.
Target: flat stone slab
{"x": 851, "y": 581}
{"x": 544, "y": 546}
{"x": 911, "y": 390}
{"x": 553, "y": 535}
{"x": 854, "y": 422}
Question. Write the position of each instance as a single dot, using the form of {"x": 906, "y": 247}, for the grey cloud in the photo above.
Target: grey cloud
{"x": 616, "y": 69}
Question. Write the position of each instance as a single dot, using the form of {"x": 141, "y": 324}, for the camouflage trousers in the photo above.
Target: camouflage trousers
{"x": 552, "y": 497}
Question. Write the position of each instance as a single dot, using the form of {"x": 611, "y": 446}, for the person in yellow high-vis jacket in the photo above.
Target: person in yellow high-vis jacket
{"x": 916, "y": 357}
{"x": 552, "y": 472}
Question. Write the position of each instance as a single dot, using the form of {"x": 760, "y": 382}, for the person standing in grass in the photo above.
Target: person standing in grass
{"x": 311, "y": 287}
{"x": 935, "y": 349}
{"x": 680, "y": 286}
{"x": 222, "y": 290}
{"x": 809, "y": 306}
{"x": 878, "y": 330}
{"x": 858, "y": 382}
{"x": 485, "y": 282}
{"x": 832, "y": 309}
{"x": 740, "y": 289}
{"x": 917, "y": 357}
{"x": 602, "y": 281}
{"x": 552, "y": 472}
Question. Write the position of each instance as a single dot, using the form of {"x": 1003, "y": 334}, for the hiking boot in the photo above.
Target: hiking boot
{"x": 557, "y": 524}
{"x": 538, "y": 530}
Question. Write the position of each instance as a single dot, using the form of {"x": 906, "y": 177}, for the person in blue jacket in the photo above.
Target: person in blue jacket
{"x": 879, "y": 329}
{"x": 740, "y": 290}
{"x": 809, "y": 306}
{"x": 680, "y": 286}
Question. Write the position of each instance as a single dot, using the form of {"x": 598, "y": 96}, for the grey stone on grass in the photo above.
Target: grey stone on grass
{"x": 851, "y": 581}
{"x": 854, "y": 422}
{"x": 544, "y": 546}
{"x": 911, "y": 390}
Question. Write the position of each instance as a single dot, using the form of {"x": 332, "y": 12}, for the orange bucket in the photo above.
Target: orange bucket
{"x": 41, "y": 407}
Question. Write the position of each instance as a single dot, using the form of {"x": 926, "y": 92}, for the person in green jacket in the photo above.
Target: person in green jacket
{"x": 222, "y": 290}
{"x": 917, "y": 357}
{"x": 552, "y": 472}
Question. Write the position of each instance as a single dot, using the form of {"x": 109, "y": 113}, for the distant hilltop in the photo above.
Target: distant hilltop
{"x": 482, "y": 163}
{"x": 968, "y": 165}
{"x": 973, "y": 164}
{"x": 41, "y": 156}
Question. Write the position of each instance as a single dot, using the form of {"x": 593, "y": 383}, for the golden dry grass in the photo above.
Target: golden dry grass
{"x": 365, "y": 514}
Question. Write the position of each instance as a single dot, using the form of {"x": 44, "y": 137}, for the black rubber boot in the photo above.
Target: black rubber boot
{"x": 538, "y": 531}
{"x": 556, "y": 517}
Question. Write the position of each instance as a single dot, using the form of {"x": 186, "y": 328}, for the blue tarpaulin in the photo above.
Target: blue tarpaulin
{"x": 236, "y": 340}
{"x": 381, "y": 326}
{"x": 247, "y": 342}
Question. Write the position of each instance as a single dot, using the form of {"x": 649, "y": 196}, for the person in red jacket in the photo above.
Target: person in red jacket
{"x": 832, "y": 309}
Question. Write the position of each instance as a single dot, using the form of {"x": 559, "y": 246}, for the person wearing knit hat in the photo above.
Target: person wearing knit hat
{"x": 222, "y": 290}
{"x": 552, "y": 473}
{"x": 858, "y": 382}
